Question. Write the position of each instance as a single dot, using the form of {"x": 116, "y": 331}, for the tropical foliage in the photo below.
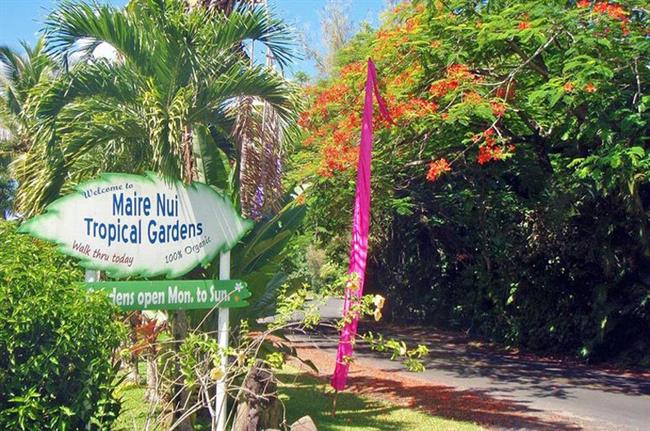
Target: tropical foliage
{"x": 7, "y": 186}
{"x": 157, "y": 104}
{"x": 19, "y": 74}
{"x": 56, "y": 369}
{"x": 166, "y": 98}
{"x": 511, "y": 194}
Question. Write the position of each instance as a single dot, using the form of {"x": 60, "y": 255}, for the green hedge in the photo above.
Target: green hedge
{"x": 56, "y": 342}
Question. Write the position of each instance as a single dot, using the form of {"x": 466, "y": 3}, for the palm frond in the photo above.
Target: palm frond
{"x": 20, "y": 73}
{"x": 100, "y": 78}
{"x": 75, "y": 148}
{"x": 212, "y": 162}
{"x": 11, "y": 65}
{"x": 80, "y": 27}
{"x": 240, "y": 81}
{"x": 250, "y": 23}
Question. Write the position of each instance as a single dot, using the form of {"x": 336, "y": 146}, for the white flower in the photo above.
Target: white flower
{"x": 378, "y": 300}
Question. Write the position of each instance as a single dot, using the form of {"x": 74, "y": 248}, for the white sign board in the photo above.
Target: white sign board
{"x": 141, "y": 225}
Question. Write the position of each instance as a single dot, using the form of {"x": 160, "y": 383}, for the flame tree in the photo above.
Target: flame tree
{"x": 512, "y": 196}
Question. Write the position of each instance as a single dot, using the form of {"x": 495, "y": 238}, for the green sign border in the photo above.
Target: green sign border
{"x": 117, "y": 271}
{"x": 236, "y": 290}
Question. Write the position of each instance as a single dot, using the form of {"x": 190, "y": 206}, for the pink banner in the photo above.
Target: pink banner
{"x": 360, "y": 227}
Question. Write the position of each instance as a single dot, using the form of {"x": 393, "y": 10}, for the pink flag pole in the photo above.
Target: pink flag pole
{"x": 360, "y": 228}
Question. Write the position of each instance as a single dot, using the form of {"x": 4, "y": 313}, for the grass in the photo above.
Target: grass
{"x": 134, "y": 409}
{"x": 304, "y": 395}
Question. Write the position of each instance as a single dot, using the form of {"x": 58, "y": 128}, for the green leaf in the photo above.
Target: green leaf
{"x": 212, "y": 163}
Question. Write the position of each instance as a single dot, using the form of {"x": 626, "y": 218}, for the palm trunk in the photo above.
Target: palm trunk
{"x": 180, "y": 322}
{"x": 180, "y": 392}
{"x": 134, "y": 372}
{"x": 248, "y": 160}
{"x": 151, "y": 395}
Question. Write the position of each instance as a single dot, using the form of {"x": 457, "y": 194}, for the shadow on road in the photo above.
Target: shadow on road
{"x": 544, "y": 378}
{"x": 500, "y": 389}
{"x": 447, "y": 402}
{"x": 442, "y": 401}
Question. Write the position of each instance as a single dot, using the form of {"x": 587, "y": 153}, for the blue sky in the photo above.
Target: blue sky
{"x": 21, "y": 19}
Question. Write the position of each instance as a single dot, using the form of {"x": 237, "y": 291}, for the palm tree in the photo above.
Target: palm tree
{"x": 168, "y": 97}
{"x": 20, "y": 76}
{"x": 6, "y": 187}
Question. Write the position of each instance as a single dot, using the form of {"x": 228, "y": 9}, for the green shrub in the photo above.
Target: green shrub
{"x": 56, "y": 342}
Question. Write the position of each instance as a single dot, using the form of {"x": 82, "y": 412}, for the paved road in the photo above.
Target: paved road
{"x": 591, "y": 398}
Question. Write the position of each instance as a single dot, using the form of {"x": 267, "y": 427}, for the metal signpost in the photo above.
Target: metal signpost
{"x": 222, "y": 339}
{"x": 131, "y": 225}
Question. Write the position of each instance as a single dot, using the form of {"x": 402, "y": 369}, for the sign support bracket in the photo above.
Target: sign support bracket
{"x": 92, "y": 276}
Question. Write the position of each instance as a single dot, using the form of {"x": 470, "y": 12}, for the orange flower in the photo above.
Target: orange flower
{"x": 590, "y": 88}
{"x": 458, "y": 70}
{"x": 325, "y": 172}
{"x": 333, "y": 94}
{"x": 337, "y": 157}
{"x": 397, "y": 111}
{"x": 341, "y": 136}
{"x": 507, "y": 92}
{"x": 437, "y": 168}
{"x": 399, "y": 7}
{"x": 300, "y": 199}
{"x": 568, "y": 87}
{"x": 383, "y": 34}
{"x": 488, "y": 150}
{"x": 614, "y": 11}
{"x": 498, "y": 109}
{"x": 303, "y": 120}
{"x": 583, "y": 3}
{"x": 414, "y": 107}
{"x": 422, "y": 107}
{"x": 472, "y": 97}
{"x": 523, "y": 25}
{"x": 487, "y": 153}
{"x": 441, "y": 88}
{"x": 352, "y": 68}
{"x": 353, "y": 120}
{"x": 452, "y": 84}
{"x": 456, "y": 74}
{"x": 412, "y": 24}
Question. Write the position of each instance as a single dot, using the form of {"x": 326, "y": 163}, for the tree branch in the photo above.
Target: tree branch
{"x": 530, "y": 61}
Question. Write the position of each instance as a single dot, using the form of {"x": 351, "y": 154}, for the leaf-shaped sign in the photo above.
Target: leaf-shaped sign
{"x": 140, "y": 225}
